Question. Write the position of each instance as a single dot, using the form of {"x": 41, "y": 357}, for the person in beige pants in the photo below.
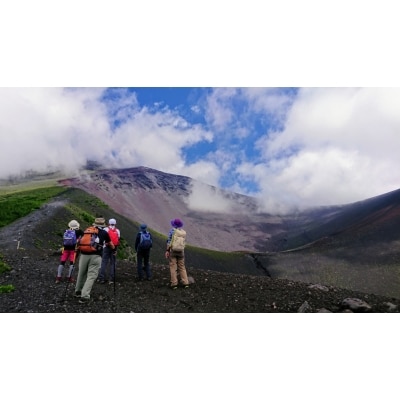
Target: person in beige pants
{"x": 176, "y": 254}
{"x": 90, "y": 258}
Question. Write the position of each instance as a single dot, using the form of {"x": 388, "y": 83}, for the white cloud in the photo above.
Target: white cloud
{"x": 337, "y": 146}
{"x": 48, "y": 127}
{"x": 204, "y": 171}
{"x": 45, "y": 128}
{"x": 219, "y": 113}
{"x": 206, "y": 198}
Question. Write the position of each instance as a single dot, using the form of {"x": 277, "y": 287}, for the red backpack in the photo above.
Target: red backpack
{"x": 113, "y": 233}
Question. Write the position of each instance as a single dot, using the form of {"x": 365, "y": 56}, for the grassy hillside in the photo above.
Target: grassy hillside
{"x": 20, "y": 203}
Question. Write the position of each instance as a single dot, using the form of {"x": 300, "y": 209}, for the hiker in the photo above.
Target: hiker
{"x": 90, "y": 247}
{"x": 176, "y": 254}
{"x": 143, "y": 244}
{"x": 110, "y": 255}
{"x": 70, "y": 239}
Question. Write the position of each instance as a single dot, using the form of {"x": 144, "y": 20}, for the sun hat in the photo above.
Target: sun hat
{"x": 100, "y": 222}
{"x": 112, "y": 221}
{"x": 177, "y": 223}
{"x": 143, "y": 227}
{"x": 73, "y": 224}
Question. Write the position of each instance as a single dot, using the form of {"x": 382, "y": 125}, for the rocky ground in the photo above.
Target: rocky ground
{"x": 33, "y": 276}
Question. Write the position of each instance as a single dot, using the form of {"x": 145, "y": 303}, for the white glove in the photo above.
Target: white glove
{"x": 97, "y": 240}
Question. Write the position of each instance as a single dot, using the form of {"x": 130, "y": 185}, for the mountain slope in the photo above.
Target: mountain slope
{"x": 353, "y": 246}
{"x": 214, "y": 218}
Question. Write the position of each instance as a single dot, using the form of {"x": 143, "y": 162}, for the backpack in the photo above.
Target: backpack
{"x": 113, "y": 233}
{"x": 178, "y": 240}
{"x": 87, "y": 242}
{"x": 69, "y": 238}
{"x": 145, "y": 241}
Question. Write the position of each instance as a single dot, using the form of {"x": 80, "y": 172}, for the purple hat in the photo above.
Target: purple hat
{"x": 177, "y": 223}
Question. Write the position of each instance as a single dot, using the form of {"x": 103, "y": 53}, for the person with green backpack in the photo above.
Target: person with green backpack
{"x": 176, "y": 254}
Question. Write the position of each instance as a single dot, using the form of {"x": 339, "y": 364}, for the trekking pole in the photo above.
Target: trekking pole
{"x": 69, "y": 280}
{"x": 135, "y": 263}
{"x": 113, "y": 258}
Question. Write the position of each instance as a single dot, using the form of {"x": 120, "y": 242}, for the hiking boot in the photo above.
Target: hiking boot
{"x": 173, "y": 287}
{"x": 110, "y": 282}
{"x": 84, "y": 300}
{"x": 101, "y": 281}
{"x": 186, "y": 286}
{"x": 77, "y": 294}
{"x": 58, "y": 279}
{"x": 72, "y": 280}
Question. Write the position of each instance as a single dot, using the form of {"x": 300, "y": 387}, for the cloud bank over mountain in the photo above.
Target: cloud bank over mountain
{"x": 288, "y": 147}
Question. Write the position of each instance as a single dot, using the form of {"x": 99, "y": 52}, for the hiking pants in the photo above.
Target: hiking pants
{"x": 89, "y": 265}
{"x": 143, "y": 257}
{"x": 177, "y": 267}
{"x": 68, "y": 255}
{"x": 108, "y": 258}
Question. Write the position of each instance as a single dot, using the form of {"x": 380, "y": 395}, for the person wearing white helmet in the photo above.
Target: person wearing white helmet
{"x": 70, "y": 239}
{"x": 110, "y": 255}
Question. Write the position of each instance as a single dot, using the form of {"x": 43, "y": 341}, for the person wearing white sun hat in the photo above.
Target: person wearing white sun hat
{"x": 70, "y": 239}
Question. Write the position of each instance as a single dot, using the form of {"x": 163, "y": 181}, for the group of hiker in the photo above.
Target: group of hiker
{"x": 97, "y": 248}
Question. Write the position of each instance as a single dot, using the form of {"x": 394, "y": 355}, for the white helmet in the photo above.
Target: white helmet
{"x": 112, "y": 221}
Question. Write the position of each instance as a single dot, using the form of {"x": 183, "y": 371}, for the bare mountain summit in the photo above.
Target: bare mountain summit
{"x": 214, "y": 218}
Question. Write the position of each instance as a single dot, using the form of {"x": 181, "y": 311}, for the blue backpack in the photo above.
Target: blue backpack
{"x": 69, "y": 238}
{"x": 145, "y": 241}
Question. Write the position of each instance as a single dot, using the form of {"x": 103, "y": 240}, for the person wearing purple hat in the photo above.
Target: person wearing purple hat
{"x": 176, "y": 254}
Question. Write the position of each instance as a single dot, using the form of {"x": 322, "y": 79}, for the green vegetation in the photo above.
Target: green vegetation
{"x": 11, "y": 188}
{"x": 21, "y": 203}
{"x": 6, "y": 288}
{"x": 3, "y": 268}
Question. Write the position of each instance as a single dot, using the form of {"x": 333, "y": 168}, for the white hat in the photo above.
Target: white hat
{"x": 112, "y": 221}
{"x": 73, "y": 224}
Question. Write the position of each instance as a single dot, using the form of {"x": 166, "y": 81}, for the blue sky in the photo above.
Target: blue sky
{"x": 289, "y": 147}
